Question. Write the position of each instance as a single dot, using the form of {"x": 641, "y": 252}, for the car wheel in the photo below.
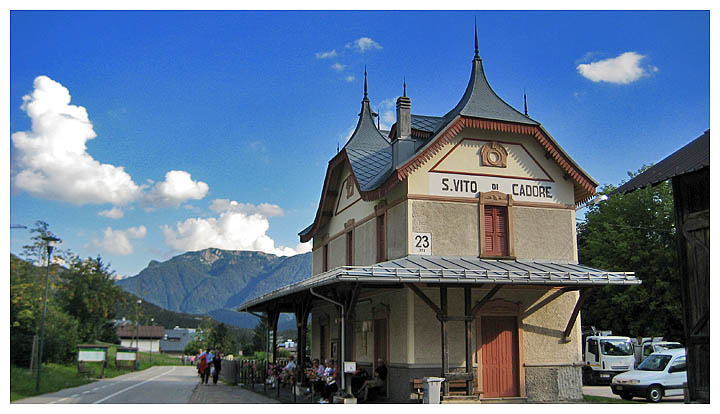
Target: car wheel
{"x": 626, "y": 396}
{"x": 654, "y": 393}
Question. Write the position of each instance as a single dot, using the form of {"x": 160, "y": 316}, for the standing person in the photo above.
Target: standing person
{"x": 217, "y": 364}
{"x": 203, "y": 369}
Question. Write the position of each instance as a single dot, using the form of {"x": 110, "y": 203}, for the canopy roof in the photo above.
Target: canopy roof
{"x": 455, "y": 270}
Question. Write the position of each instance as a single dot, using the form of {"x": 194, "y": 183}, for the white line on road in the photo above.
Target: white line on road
{"x": 133, "y": 386}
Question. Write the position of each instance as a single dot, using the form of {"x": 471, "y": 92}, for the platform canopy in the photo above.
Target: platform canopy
{"x": 453, "y": 270}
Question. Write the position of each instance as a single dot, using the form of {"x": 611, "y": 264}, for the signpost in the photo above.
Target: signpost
{"x": 126, "y": 354}
{"x": 92, "y": 353}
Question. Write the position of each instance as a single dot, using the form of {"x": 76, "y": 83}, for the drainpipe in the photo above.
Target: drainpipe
{"x": 342, "y": 334}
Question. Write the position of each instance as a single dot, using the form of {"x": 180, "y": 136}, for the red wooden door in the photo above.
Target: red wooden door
{"x": 499, "y": 356}
{"x": 496, "y": 237}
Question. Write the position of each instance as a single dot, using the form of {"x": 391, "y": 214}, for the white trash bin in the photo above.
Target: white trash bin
{"x": 431, "y": 390}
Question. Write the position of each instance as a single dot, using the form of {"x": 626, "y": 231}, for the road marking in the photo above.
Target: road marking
{"x": 57, "y": 401}
{"x": 133, "y": 386}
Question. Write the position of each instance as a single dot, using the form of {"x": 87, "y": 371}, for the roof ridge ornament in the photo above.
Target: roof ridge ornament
{"x": 525, "y": 100}
{"x": 477, "y": 50}
{"x": 365, "y": 86}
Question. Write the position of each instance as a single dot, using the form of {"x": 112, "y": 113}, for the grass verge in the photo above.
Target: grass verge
{"x": 55, "y": 377}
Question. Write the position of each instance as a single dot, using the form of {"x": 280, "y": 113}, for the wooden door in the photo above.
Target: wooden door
{"x": 499, "y": 339}
{"x": 323, "y": 343}
{"x": 496, "y": 233}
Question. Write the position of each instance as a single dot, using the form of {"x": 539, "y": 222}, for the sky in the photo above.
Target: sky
{"x": 140, "y": 135}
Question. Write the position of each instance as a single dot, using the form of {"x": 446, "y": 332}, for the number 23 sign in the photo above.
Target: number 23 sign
{"x": 422, "y": 243}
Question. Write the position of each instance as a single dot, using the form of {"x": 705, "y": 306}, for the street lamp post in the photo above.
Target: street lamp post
{"x": 49, "y": 244}
{"x": 152, "y": 323}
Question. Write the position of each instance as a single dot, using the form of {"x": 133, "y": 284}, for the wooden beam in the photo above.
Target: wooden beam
{"x": 543, "y": 303}
{"x": 573, "y": 317}
{"x": 425, "y": 299}
{"x": 485, "y": 300}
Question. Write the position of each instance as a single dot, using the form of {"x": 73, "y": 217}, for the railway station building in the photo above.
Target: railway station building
{"x": 447, "y": 247}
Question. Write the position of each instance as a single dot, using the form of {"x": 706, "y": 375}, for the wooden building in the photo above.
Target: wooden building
{"x": 689, "y": 170}
{"x": 447, "y": 247}
{"x": 145, "y": 338}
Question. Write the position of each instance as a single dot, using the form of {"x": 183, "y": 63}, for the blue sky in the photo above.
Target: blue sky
{"x": 147, "y": 134}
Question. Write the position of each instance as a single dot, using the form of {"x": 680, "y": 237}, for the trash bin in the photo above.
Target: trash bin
{"x": 431, "y": 390}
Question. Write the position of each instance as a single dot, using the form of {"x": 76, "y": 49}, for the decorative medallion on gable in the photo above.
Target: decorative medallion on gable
{"x": 493, "y": 154}
{"x": 348, "y": 195}
{"x": 477, "y": 157}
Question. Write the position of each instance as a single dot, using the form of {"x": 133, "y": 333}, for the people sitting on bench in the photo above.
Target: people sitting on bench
{"x": 378, "y": 381}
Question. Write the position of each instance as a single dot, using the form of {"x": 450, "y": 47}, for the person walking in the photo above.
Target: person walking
{"x": 217, "y": 365}
{"x": 204, "y": 369}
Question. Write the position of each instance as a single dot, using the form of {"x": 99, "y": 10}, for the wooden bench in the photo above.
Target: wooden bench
{"x": 456, "y": 387}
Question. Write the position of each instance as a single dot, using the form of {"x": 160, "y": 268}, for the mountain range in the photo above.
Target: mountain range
{"x": 214, "y": 281}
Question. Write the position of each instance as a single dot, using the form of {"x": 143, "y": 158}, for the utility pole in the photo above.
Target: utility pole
{"x": 49, "y": 245}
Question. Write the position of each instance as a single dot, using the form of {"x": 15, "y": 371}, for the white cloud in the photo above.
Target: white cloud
{"x": 350, "y": 78}
{"x": 177, "y": 188}
{"x": 52, "y": 160}
{"x": 221, "y": 205}
{"x": 113, "y": 213}
{"x": 363, "y": 44}
{"x": 338, "y": 67}
{"x": 117, "y": 242}
{"x": 387, "y": 111}
{"x": 623, "y": 69}
{"x": 237, "y": 227}
{"x": 326, "y": 55}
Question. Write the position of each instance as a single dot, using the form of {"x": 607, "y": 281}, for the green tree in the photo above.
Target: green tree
{"x": 259, "y": 338}
{"x": 87, "y": 291}
{"x": 219, "y": 338}
{"x": 633, "y": 232}
{"x": 192, "y": 347}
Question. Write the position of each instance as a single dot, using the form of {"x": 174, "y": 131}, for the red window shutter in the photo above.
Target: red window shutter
{"x": 496, "y": 237}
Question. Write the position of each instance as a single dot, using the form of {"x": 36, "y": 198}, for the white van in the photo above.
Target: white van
{"x": 661, "y": 374}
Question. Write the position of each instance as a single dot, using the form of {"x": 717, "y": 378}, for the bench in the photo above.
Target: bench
{"x": 456, "y": 387}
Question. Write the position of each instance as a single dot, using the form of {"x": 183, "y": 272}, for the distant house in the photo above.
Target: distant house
{"x": 175, "y": 340}
{"x": 145, "y": 338}
{"x": 689, "y": 170}
{"x": 288, "y": 345}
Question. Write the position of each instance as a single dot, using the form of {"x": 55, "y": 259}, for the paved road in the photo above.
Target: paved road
{"x": 605, "y": 391}
{"x": 156, "y": 385}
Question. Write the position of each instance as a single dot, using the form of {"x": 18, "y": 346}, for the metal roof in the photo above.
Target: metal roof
{"x": 145, "y": 332}
{"x": 457, "y": 270}
{"x": 692, "y": 157}
{"x": 425, "y": 122}
{"x": 371, "y": 167}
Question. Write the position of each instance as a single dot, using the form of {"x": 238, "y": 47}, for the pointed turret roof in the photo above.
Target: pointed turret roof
{"x": 368, "y": 151}
{"x": 481, "y": 101}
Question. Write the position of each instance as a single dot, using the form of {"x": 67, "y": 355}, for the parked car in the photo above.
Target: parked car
{"x": 662, "y": 374}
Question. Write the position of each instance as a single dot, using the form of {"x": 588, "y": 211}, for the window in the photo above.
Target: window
{"x": 496, "y": 231}
{"x": 381, "y": 249}
{"x": 349, "y": 248}
{"x": 325, "y": 258}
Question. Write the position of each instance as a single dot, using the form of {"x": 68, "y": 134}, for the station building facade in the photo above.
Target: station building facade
{"x": 447, "y": 247}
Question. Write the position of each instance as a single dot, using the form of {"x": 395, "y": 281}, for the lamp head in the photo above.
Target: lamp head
{"x": 50, "y": 242}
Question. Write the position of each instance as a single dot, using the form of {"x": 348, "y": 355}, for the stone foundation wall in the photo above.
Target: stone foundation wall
{"x": 544, "y": 384}
{"x": 553, "y": 383}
